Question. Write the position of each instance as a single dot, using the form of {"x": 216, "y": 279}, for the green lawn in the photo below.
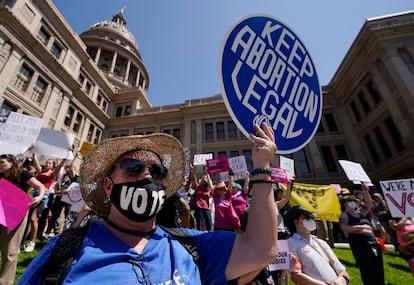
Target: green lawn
{"x": 396, "y": 268}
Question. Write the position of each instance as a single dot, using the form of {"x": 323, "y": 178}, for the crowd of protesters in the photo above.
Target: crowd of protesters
{"x": 220, "y": 205}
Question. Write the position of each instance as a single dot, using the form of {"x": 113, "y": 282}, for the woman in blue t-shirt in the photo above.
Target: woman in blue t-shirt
{"x": 126, "y": 180}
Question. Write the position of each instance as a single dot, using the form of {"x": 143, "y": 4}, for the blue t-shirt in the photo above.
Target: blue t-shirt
{"x": 104, "y": 259}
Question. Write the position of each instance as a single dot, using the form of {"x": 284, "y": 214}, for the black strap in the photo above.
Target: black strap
{"x": 63, "y": 253}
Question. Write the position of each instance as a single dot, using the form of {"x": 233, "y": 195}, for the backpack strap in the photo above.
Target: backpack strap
{"x": 186, "y": 241}
{"x": 63, "y": 253}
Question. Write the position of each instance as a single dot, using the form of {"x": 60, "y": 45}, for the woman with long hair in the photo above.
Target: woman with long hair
{"x": 10, "y": 239}
{"x": 46, "y": 175}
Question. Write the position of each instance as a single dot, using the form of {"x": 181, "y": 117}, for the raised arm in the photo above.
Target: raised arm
{"x": 254, "y": 249}
{"x": 246, "y": 184}
{"x": 193, "y": 176}
{"x": 367, "y": 199}
{"x": 36, "y": 163}
{"x": 58, "y": 168}
{"x": 231, "y": 180}
{"x": 281, "y": 203}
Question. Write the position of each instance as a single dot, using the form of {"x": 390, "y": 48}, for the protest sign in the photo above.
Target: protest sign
{"x": 85, "y": 148}
{"x": 355, "y": 172}
{"x": 200, "y": 159}
{"x": 279, "y": 175}
{"x": 74, "y": 197}
{"x": 337, "y": 188}
{"x": 17, "y": 131}
{"x": 217, "y": 165}
{"x": 266, "y": 74}
{"x": 14, "y": 204}
{"x": 288, "y": 164}
{"x": 53, "y": 143}
{"x": 238, "y": 165}
{"x": 318, "y": 199}
{"x": 282, "y": 260}
{"x": 399, "y": 195}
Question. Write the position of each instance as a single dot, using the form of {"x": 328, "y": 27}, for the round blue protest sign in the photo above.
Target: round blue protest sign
{"x": 267, "y": 74}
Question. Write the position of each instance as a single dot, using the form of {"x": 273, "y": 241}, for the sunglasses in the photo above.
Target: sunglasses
{"x": 131, "y": 165}
{"x": 7, "y": 156}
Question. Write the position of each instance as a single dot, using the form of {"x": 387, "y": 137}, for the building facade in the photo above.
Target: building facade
{"x": 94, "y": 85}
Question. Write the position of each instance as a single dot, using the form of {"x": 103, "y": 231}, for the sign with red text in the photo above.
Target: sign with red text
{"x": 217, "y": 165}
{"x": 399, "y": 195}
{"x": 14, "y": 204}
{"x": 266, "y": 74}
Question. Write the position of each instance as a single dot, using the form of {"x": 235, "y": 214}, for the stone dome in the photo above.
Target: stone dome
{"x": 115, "y": 30}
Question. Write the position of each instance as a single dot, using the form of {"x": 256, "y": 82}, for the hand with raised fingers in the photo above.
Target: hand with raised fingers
{"x": 264, "y": 147}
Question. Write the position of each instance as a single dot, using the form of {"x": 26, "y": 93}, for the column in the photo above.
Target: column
{"x": 138, "y": 77}
{"x": 113, "y": 62}
{"x": 98, "y": 55}
{"x": 127, "y": 71}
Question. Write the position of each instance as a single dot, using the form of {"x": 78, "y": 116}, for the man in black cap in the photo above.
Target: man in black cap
{"x": 314, "y": 259}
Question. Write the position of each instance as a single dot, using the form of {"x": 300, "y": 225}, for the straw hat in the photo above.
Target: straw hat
{"x": 97, "y": 164}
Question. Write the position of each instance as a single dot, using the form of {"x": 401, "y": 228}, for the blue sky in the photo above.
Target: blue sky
{"x": 179, "y": 40}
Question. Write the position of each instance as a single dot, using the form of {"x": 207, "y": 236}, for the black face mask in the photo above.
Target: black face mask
{"x": 140, "y": 200}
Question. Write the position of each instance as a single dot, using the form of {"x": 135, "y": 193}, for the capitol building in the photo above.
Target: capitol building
{"x": 94, "y": 86}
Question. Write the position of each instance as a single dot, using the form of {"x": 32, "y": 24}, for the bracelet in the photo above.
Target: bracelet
{"x": 258, "y": 181}
{"x": 261, "y": 171}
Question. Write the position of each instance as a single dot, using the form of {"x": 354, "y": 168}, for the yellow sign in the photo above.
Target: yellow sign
{"x": 86, "y": 147}
{"x": 319, "y": 199}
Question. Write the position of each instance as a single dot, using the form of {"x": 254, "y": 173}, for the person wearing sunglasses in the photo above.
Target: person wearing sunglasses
{"x": 10, "y": 239}
{"x": 126, "y": 180}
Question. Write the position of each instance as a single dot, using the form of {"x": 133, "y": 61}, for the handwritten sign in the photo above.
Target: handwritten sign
{"x": 74, "y": 197}
{"x": 18, "y": 129}
{"x": 200, "y": 159}
{"x": 282, "y": 260}
{"x": 288, "y": 164}
{"x": 217, "y": 165}
{"x": 355, "y": 172}
{"x": 399, "y": 195}
{"x": 14, "y": 204}
{"x": 239, "y": 166}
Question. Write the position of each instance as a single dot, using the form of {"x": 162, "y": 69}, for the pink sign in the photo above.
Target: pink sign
{"x": 14, "y": 204}
{"x": 279, "y": 175}
{"x": 217, "y": 165}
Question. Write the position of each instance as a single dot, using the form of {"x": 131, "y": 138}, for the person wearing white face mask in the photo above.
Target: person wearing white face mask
{"x": 314, "y": 260}
{"x": 356, "y": 224}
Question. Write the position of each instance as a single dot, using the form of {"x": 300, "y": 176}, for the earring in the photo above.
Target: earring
{"x": 107, "y": 200}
